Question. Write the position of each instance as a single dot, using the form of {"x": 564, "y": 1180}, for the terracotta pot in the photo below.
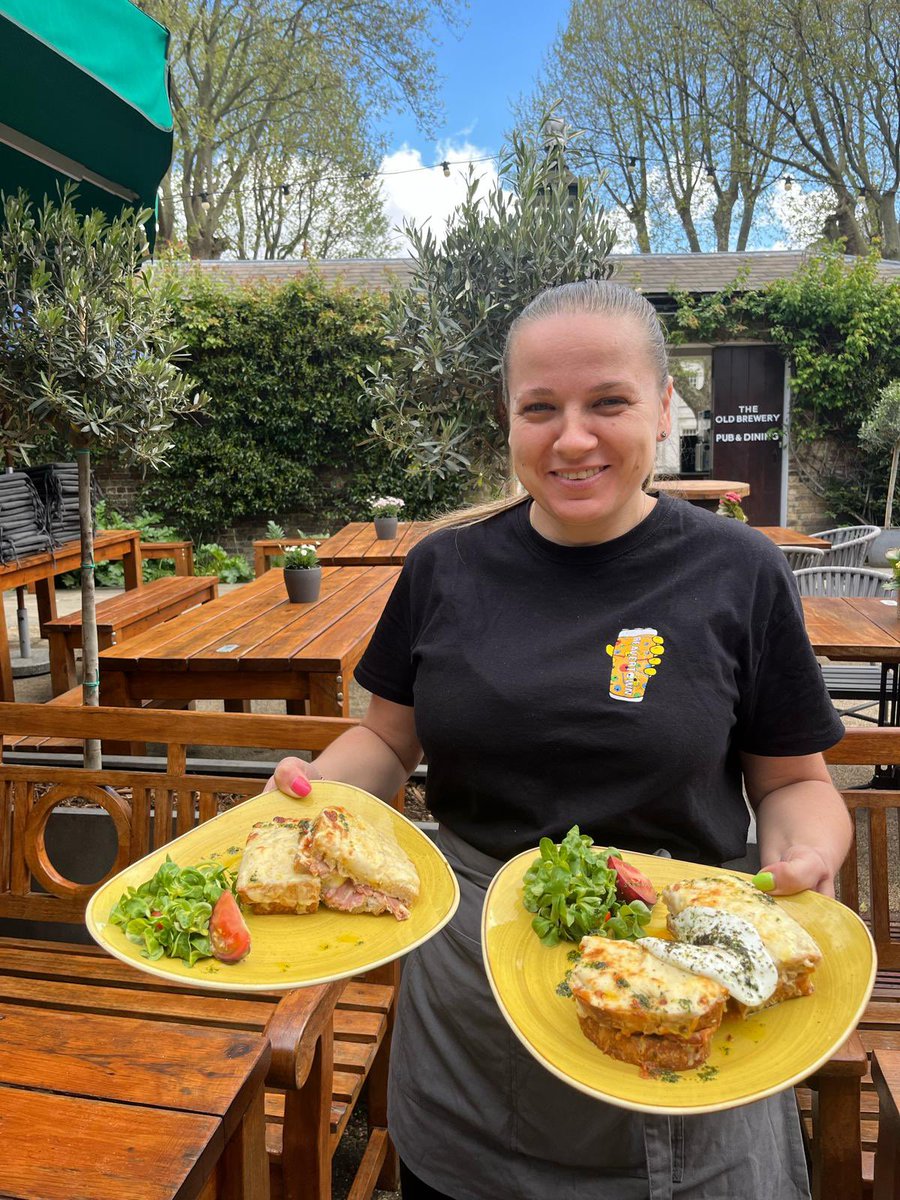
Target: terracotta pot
{"x": 386, "y": 527}
{"x": 303, "y": 584}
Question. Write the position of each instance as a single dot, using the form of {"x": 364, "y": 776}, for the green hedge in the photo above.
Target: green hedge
{"x": 287, "y": 427}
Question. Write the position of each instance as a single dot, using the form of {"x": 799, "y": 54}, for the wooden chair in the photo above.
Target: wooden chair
{"x": 865, "y": 886}
{"x": 886, "y": 1074}
{"x": 328, "y": 1042}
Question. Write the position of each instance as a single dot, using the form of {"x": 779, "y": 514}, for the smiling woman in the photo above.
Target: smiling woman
{"x": 586, "y": 409}
{"x": 585, "y": 654}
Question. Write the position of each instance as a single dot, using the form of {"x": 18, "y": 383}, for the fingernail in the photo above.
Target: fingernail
{"x": 301, "y": 785}
{"x": 765, "y": 881}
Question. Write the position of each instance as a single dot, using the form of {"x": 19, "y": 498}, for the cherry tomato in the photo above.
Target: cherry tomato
{"x": 632, "y": 884}
{"x": 228, "y": 932}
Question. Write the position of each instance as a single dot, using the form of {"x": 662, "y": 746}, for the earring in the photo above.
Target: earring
{"x": 662, "y": 436}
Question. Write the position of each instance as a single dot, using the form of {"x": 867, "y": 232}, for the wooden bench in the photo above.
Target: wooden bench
{"x": 129, "y": 614}
{"x": 181, "y": 553}
{"x": 886, "y": 1073}
{"x": 866, "y": 888}
{"x": 328, "y": 1042}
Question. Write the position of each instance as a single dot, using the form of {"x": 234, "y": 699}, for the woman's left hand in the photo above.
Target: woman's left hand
{"x": 801, "y": 868}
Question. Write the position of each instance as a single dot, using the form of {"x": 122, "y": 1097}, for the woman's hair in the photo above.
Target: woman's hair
{"x": 596, "y": 297}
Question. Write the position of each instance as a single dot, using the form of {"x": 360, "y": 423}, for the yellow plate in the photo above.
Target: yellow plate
{"x": 750, "y": 1059}
{"x": 289, "y": 951}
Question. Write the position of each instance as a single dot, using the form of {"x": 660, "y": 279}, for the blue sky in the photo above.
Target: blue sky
{"x": 495, "y": 60}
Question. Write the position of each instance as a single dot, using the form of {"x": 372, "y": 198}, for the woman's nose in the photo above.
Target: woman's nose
{"x": 575, "y": 437}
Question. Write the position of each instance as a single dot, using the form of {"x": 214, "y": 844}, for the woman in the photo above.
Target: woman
{"x": 496, "y": 653}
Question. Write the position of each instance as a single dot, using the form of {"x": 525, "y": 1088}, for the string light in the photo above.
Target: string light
{"x": 446, "y": 167}
{"x": 788, "y": 183}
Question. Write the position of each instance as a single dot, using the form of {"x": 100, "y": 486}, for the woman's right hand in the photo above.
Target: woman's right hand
{"x": 292, "y": 776}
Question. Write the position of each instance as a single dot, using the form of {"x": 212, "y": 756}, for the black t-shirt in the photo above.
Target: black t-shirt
{"x": 608, "y": 686}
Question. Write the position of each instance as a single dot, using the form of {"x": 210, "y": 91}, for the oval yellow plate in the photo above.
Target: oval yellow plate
{"x": 750, "y": 1059}
{"x": 287, "y": 950}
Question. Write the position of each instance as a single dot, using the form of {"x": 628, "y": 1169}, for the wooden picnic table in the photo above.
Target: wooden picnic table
{"x": 783, "y": 536}
{"x": 354, "y": 545}
{"x": 853, "y": 628}
{"x": 113, "y": 1104}
{"x": 41, "y": 569}
{"x": 254, "y": 644}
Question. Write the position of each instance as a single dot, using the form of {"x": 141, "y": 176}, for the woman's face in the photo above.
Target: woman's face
{"x": 585, "y": 414}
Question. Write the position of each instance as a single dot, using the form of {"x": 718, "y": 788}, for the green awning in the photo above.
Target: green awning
{"x": 83, "y": 96}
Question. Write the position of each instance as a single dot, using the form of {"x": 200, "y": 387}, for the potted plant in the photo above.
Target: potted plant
{"x": 881, "y": 431}
{"x": 302, "y": 574}
{"x": 385, "y": 511}
{"x": 730, "y": 506}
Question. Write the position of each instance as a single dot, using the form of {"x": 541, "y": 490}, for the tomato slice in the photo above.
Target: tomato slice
{"x": 228, "y": 932}
{"x": 632, "y": 884}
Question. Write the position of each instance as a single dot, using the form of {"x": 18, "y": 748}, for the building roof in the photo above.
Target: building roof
{"x": 652, "y": 274}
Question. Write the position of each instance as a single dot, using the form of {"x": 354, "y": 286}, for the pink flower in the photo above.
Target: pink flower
{"x": 733, "y": 497}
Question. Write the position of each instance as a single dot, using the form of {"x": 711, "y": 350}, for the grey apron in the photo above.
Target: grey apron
{"x": 476, "y": 1117}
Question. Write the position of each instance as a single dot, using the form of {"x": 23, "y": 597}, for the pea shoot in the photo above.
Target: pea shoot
{"x": 571, "y": 889}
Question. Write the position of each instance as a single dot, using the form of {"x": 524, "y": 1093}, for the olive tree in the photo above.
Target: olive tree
{"x": 439, "y": 400}
{"x": 881, "y": 431}
{"x": 87, "y": 353}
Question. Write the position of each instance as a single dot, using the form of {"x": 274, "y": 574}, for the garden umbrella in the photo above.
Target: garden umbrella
{"x": 84, "y": 97}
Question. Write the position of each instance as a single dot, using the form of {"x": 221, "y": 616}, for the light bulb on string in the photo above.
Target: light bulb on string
{"x": 710, "y": 173}
{"x": 788, "y": 183}
{"x": 446, "y": 167}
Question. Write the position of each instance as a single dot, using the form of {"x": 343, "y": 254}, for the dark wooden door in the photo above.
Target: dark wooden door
{"x": 747, "y": 403}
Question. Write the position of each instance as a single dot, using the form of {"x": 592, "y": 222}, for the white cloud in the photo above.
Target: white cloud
{"x": 428, "y": 197}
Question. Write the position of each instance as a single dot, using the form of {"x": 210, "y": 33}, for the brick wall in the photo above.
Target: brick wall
{"x": 805, "y": 510}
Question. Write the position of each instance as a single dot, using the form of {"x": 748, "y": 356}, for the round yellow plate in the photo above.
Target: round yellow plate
{"x": 750, "y": 1058}
{"x": 289, "y": 951}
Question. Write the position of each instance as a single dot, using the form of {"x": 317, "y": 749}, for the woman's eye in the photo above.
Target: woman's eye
{"x": 537, "y": 406}
{"x": 609, "y": 402}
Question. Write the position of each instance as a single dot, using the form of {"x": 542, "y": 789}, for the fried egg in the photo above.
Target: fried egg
{"x": 720, "y": 946}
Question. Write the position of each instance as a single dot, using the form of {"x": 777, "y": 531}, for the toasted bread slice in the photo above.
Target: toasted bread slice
{"x": 623, "y": 988}
{"x": 362, "y": 869}
{"x": 271, "y": 878}
{"x": 647, "y": 1050}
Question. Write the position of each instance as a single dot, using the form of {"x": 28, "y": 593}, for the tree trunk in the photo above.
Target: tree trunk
{"x": 890, "y": 232}
{"x": 90, "y": 652}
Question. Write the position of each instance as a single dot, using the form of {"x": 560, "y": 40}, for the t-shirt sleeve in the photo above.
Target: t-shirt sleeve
{"x": 787, "y": 708}
{"x": 386, "y": 668}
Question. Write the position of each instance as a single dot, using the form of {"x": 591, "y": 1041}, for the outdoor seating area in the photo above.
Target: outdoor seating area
{"x": 449, "y": 601}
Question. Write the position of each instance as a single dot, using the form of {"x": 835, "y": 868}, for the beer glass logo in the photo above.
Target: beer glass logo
{"x": 635, "y": 657}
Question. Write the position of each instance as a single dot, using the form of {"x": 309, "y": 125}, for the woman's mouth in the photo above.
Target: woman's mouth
{"x": 578, "y": 476}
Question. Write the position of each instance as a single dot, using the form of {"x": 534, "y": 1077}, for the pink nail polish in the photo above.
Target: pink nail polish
{"x": 301, "y": 785}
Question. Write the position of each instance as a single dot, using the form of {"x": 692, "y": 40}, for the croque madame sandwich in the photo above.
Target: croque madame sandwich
{"x": 270, "y": 879}
{"x": 793, "y": 952}
{"x": 361, "y": 870}
{"x": 641, "y": 1010}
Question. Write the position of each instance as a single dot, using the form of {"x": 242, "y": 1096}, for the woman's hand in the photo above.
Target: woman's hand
{"x": 799, "y": 869}
{"x": 292, "y": 776}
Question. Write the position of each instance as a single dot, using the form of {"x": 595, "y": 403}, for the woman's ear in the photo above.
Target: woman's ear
{"x": 665, "y": 407}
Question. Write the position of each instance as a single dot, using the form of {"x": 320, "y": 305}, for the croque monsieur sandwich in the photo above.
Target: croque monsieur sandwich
{"x": 794, "y": 953}
{"x": 270, "y": 880}
{"x": 641, "y": 1010}
{"x": 361, "y": 870}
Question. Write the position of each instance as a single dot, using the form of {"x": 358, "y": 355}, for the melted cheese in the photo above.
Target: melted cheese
{"x": 790, "y": 946}
{"x": 723, "y": 947}
{"x": 270, "y": 880}
{"x": 351, "y": 848}
{"x": 628, "y": 988}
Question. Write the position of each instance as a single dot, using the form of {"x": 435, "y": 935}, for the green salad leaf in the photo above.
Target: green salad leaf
{"x": 571, "y": 889}
{"x": 169, "y": 914}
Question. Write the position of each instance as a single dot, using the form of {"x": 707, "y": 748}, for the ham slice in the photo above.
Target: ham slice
{"x": 360, "y": 898}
